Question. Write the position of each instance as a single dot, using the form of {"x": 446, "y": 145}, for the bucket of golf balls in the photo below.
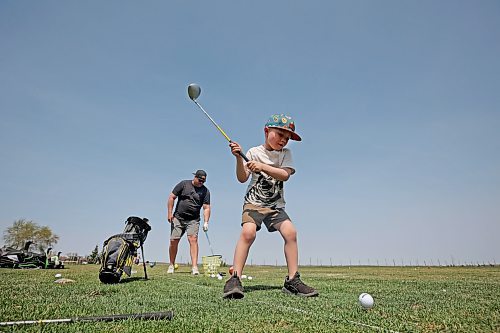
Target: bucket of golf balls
{"x": 211, "y": 264}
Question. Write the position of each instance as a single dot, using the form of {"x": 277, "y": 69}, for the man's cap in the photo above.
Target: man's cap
{"x": 284, "y": 122}
{"x": 200, "y": 173}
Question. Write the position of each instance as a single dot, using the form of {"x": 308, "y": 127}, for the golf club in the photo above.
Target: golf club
{"x": 209, "y": 244}
{"x": 140, "y": 316}
{"x": 194, "y": 92}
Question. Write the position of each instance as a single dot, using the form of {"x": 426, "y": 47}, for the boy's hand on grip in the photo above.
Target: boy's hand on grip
{"x": 235, "y": 148}
{"x": 255, "y": 166}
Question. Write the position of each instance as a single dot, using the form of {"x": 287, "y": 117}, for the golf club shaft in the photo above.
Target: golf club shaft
{"x": 209, "y": 244}
{"x": 141, "y": 316}
{"x": 219, "y": 128}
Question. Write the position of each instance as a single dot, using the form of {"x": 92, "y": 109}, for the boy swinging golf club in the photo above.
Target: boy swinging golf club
{"x": 269, "y": 165}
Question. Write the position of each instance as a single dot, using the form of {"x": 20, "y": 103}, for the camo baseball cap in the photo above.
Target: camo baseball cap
{"x": 284, "y": 122}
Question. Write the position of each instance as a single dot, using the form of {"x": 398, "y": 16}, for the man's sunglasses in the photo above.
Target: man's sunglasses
{"x": 202, "y": 179}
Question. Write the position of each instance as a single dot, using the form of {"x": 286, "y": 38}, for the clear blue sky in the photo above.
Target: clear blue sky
{"x": 398, "y": 104}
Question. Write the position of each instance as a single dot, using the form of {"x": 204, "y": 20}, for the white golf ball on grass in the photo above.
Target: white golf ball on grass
{"x": 366, "y": 301}
{"x": 58, "y": 275}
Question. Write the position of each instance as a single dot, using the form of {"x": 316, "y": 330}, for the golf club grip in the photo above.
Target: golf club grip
{"x": 246, "y": 159}
{"x": 244, "y": 156}
{"x": 140, "y": 316}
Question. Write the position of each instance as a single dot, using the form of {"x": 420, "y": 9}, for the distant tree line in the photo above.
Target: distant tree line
{"x": 23, "y": 230}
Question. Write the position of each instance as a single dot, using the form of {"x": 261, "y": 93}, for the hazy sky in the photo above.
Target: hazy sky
{"x": 398, "y": 104}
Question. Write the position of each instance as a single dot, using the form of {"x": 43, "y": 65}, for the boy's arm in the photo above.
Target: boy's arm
{"x": 277, "y": 173}
{"x": 242, "y": 172}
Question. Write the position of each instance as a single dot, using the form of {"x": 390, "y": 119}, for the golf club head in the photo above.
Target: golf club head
{"x": 194, "y": 91}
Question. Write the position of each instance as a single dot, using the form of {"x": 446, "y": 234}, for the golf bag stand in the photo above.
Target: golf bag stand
{"x": 119, "y": 250}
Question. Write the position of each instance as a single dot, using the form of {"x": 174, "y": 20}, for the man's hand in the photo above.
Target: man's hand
{"x": 205, "y": 226}
{"x": 170, "y": 218}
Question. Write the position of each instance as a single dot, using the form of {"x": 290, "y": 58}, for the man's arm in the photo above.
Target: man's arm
{"x": 206, "y": 216}
{"x": 170, "y": 207}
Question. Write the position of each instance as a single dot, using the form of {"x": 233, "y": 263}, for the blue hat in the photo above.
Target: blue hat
{"x": 284, "y": 122}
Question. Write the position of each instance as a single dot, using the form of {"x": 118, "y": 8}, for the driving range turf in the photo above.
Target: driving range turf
{"x": 407, "y": 299}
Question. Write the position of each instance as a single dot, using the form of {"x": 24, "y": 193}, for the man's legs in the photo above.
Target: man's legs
{"x": 193, "y": 249}
{"x": 176, "y": 232}
{"x": 192, "y": 229}
{"x": 172, "y": 250}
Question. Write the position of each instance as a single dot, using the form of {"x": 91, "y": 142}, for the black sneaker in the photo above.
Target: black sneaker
{"x": 233, "y": 288}
{"x": 295, "y": 286}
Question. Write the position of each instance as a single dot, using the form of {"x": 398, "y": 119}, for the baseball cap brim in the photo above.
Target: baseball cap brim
{"x": 294, "y": 135}
{"x": 200, "y": 173}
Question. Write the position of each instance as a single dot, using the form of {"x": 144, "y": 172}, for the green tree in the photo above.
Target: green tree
{"x": 93, "y": 258}
{"x": 23, "y": 230}
{"x": 45, "y": 238}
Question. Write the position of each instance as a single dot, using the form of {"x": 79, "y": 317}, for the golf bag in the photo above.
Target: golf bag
{"x": 54, "y": 261}
{"x": 13, "y": 258}
{"x": 119, "y": 251}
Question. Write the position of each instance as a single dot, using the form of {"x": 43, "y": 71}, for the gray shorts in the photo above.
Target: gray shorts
{"x": 179, "y": 227}
{"x": 257, "y": 215}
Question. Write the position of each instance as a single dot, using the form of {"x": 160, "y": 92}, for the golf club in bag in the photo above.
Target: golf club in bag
{"x": 119, "y": 250}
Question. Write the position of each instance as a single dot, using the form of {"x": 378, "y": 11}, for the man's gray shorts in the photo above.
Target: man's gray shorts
{"x": 179, "y": 227}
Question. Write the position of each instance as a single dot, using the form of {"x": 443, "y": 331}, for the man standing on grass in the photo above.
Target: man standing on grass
{"x": 192, "y": 195}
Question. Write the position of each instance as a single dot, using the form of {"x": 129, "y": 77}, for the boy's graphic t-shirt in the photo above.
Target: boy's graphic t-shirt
{"x": 263, "y": 190}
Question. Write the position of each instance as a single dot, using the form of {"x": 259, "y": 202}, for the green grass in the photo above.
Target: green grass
{"x": 407, "y": 299}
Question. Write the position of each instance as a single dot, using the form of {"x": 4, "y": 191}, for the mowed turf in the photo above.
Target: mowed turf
{"x": 407, "y": 299}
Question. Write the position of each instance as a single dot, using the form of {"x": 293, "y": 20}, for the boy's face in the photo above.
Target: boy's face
{"x": 276, "y": 138}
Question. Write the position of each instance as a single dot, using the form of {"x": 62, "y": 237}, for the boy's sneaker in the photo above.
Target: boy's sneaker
{"x": 233, "y": 288}
{"x": 195, "y": 271}
{"x": 296, "y": 287}
{"x": 170, "y": 269}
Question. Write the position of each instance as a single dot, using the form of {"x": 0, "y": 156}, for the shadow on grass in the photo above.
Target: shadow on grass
{"x": 132, "y": 279}
{"x": 260, "y": 287}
